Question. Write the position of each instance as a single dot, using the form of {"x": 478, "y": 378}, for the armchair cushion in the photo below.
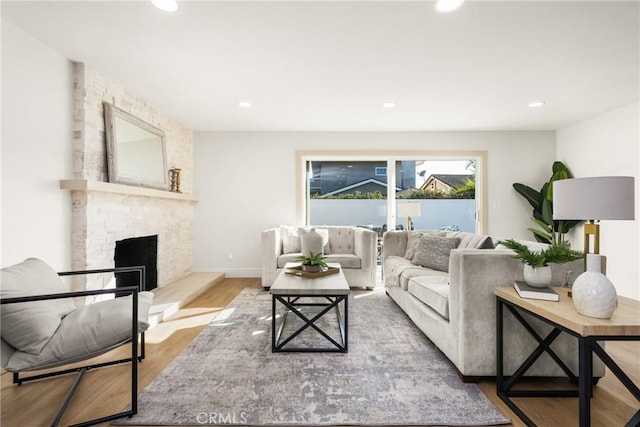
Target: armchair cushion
{"x": 29, "y": 326}
{"x": 86, "y": 332}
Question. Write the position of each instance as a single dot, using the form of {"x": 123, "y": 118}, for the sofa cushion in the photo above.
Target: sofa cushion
{"x": 472, "y": 240}
{"x": 290, "y": 239}
{"x": 29, "y": 326}
{"x": 416, "y": 271}
{"x": 341, "y": 240}
{"x": 432, "y": 291}
{"x": 285, "y": 258}
{"x": 413, "y": 237}
{"x": 87, "y": 331}
{"x": 433, "y": 251}
{"x": 345, "y": 260}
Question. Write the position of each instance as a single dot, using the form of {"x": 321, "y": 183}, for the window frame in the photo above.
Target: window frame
{"x": 303, "y": 156}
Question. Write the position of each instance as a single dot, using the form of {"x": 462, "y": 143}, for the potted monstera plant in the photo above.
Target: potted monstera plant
{"x": 537, "y": 272}
{"x": 313, "y": 263}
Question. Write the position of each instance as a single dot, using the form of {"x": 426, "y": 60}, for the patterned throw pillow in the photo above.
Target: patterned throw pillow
{"x": 433, "y": 251}
{"x": 413, "y": 239}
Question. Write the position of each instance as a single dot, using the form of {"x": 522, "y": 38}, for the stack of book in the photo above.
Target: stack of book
{"x": 526, "y": 291}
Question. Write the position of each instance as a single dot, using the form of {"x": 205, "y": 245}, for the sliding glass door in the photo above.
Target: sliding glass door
{"x": 389, "y": 193}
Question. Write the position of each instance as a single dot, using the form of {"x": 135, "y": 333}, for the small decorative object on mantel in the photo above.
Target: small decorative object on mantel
{"x": 174, "y": 179}
{"x": 313, "y": 263}
{"x": 593, "y": 293}
{"x": 537, "y": 272}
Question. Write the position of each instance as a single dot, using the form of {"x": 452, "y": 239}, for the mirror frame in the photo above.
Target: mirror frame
{"x": 111, "y": 113}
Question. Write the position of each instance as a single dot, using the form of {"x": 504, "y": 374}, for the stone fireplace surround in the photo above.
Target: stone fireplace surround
{"x": 103, "y": 213}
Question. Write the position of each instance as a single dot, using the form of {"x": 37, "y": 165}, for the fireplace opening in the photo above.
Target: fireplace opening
{"x": 137, "y": 251}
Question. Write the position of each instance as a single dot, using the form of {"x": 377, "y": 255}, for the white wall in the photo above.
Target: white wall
{"x": 608, "y": 145}
{"x": 246, "y": 182}
{"x": 37, "y": 137}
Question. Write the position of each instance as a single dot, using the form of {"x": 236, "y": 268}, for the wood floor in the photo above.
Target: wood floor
{"x": 105, "y": 391}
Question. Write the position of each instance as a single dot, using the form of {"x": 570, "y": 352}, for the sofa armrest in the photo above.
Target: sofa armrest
{"x": 474, "y": 273}
{"x": 271, "y": 249}
{"x": 364, "y": 247}
{"x": 394, "y": 243}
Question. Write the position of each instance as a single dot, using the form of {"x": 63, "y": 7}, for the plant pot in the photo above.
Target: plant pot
{"x": 311, "y": 268}
{"x": 537, "y": 277}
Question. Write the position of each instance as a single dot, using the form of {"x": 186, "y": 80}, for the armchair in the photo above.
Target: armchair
{"x": 42, "y": 329}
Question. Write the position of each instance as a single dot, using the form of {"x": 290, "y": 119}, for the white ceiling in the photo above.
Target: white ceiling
{"x": 329, "y": 65}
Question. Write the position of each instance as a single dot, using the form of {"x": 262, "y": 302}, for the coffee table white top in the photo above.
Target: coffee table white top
{"x": 292, "y": 285}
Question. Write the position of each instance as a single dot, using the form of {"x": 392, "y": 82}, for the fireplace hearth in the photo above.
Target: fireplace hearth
{"x": 137, "y": 251}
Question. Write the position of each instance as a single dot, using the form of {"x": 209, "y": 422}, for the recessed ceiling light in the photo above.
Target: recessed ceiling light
{"x": 389, "y": 105}
{"x": 536, "y": 104}
{"x": 446, "y": 6}
{"x": 166, "y": 5}
{"x": 244, "y": 104}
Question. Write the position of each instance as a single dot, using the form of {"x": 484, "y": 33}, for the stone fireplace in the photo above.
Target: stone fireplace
{"x": 104, "y": 213}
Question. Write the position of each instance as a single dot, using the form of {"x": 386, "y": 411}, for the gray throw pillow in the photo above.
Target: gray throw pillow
{"x": 433, "y": 252}
{"x": 28, "y": 326}
{"x": 413, "y": 238}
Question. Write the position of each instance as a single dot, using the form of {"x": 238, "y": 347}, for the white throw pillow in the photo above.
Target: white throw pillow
{"x": 290, "y": 239}
{"x": 29, "y": 326}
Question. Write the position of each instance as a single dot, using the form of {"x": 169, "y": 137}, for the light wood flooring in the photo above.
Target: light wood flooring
{"x": 105, "y": 391}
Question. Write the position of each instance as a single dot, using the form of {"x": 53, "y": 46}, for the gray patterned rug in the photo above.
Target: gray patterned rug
{"x": 392, "y": 375}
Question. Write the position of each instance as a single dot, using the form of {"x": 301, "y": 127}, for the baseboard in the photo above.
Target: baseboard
{"x": 233, "y": 272}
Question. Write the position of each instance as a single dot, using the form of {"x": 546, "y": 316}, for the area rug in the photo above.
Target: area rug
{"x": 392, "y": 375}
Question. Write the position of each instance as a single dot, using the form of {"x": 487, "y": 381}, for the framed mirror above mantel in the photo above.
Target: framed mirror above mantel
{"x": 136, "y": 150}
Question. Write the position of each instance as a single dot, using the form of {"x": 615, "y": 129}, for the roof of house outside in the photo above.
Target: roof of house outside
{"x": 452, "y": 180}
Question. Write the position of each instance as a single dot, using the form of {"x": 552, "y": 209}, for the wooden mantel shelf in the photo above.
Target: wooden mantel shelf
{"x": 127, "y": 190}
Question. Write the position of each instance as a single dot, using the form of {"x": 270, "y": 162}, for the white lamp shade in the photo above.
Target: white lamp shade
{"x": 597, "y": 198}
{"x": 409, "y": 209}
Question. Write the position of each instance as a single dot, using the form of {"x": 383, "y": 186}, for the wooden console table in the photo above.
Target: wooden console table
{"x": 624, "y": 325}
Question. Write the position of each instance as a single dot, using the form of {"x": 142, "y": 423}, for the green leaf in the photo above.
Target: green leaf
{"x": 540, "y": 235}
{"x": 547, "y": 212}
{"x": 531, "y": 195}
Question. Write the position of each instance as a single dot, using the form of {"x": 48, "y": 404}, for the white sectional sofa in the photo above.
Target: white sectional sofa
{"x": 454, "y": 304}
{"x": 353, "y": 248}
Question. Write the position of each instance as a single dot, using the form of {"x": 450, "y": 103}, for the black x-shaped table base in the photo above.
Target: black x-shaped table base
{"x": 279, "y": 343}
{"x": 587, "y": 346}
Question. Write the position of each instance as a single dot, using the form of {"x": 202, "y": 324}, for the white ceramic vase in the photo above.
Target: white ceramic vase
{"x": 537, "y": 277}
{"x": 593, "y": 293}
{"x": 311, "y": 243}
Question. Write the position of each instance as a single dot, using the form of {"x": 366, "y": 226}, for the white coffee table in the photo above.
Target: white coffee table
{"x": 328, "y": 292}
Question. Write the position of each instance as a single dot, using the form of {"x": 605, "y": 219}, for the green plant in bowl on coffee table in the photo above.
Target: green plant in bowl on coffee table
{"x": 313, "y": 262}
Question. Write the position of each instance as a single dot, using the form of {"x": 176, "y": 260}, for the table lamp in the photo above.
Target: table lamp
{"x": 594, "y": 199}
{"x": 409, "y": 210}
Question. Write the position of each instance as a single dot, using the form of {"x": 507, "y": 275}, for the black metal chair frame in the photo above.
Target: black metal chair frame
{"x": 81, "y": 370}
